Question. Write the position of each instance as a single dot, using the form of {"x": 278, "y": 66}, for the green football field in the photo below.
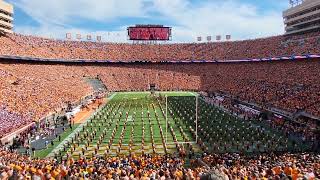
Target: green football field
{"x": 132, "y": 123}
{"x": 139, "y": 123}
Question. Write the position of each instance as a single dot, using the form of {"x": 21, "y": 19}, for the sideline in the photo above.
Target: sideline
{"x": 78, "y": 129}
{"x": 193, "y": 93}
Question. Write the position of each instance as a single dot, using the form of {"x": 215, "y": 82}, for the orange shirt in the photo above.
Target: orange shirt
{"x": 288, "y": 171}
{"x": 277, "y": 170}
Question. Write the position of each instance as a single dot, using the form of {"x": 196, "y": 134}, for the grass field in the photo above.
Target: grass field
{"x": 44, "y": 152}
{"x": 138, "y": 123}
{"x": 132, "y": 122}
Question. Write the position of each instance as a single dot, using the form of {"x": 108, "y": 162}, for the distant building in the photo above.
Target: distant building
{"x": 303, "y": 16}
{"x": 6, "y": 17}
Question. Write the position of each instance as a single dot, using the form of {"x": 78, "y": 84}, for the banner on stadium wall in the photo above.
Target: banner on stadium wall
{"x": 314, "y": 56}
{"x": 99, "y": 38}
{"x": 218, "y": 37}
{"x": 89, "y": 37}
{"x": 301, "y": 57}
{"x": 199, "y": 38}
{"x": 285, "y": 58}
{"x": 276, "y": 58}
{"x": 228, "y": 37}
{"x": 248, "y": 109}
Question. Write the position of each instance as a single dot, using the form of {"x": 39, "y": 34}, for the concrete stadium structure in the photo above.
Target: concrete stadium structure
{"x": 6, "y": 17}
{"x": 302, "y": 17}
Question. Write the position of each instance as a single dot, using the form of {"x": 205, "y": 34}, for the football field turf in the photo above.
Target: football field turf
{"x": 132, "y": 123}
{"x": 136, "y": 123}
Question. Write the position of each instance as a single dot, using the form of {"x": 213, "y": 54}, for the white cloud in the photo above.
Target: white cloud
{"x": 62, "y": 12}
{"x": 220, "y": 18}
{"x": 58, "y": 32}
{"x": 189, "y": 20}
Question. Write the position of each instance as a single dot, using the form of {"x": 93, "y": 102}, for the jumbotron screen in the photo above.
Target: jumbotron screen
{"x": 149, "y": 33}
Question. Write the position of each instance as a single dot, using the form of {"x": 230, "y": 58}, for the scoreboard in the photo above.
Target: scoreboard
{"x": 149, "y": 33}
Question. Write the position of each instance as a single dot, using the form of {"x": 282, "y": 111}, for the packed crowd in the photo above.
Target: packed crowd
{"x": 146, "y": 167}
{"x": 304, "y": 166}
{"x": 10, "y": 121}
{"x": 31, "y": 46}
{"x": 35, "y": 90}
{"x": 221, "y": 166}
{"x": 31, "y": 92}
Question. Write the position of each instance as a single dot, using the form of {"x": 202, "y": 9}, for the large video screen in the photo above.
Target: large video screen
{"x": 149, "y": 33}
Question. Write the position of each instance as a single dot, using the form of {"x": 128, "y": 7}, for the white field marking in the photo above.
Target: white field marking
{"x": 69, "y": 137}
{"x": 191, "y": 142}
{"x": 193, "y": 94}
{"x": 130, "y": 119}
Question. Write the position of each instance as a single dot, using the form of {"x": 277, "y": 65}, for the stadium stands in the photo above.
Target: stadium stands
{"x": 266, "y": 166}
{"x": 226, "y": 166}
{"x": 10, "y": 121}
{"x": 30, "y": 46}
{"x": 34, "y": 90}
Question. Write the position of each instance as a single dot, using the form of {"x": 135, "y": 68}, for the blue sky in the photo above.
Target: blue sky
{"x": 242, "y": 19}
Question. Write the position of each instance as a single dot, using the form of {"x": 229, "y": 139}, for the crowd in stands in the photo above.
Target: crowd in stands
{"x": 291, "y": 86}
{"x": 35, "y": 90}
{"x": 31, "y": 46}
{"x": 31, "y": 92}
{"x": 147, "y": 167}
{"x": 10, "y": 121}
{"x": 266, "y": 166}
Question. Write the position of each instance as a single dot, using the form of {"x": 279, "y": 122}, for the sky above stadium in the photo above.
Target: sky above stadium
{"x": 242, "y": 19}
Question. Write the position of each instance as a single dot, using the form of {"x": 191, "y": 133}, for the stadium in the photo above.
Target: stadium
{"x": 234, "y": 109}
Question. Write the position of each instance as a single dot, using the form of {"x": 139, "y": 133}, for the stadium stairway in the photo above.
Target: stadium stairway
{"x": 96, "y": 83}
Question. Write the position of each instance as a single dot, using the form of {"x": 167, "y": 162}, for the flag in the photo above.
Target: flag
{"x": 314, "y": 56}
{"x": 275, "y": 58}
{"x": 300, "y": 57}
{"x": 78, "y": 36}
{"x": 68, "y": 35}
{"x": 285, "y": 58}
{"x": 98, "y": 38}
{"x": 208, "y": 38}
